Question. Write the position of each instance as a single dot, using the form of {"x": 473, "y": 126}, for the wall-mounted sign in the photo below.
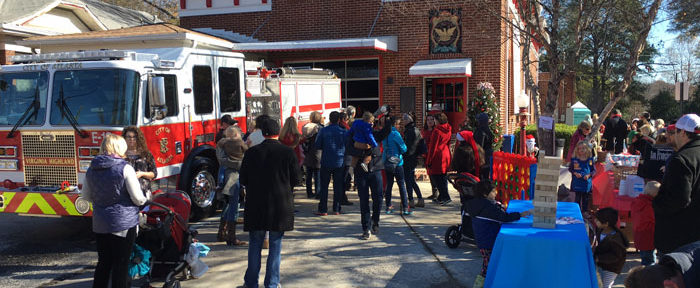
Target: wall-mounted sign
{"x": 445, "y": 31}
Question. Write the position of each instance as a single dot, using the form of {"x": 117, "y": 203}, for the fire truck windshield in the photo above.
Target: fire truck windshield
{"x": 104, "y": 97}
{"x": 19, "y": 95}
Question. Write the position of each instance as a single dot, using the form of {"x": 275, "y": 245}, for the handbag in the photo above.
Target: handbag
{"x": 392, "y": 162}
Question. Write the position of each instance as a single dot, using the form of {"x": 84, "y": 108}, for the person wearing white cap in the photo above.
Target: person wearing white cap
{"x": 677, "y": 206}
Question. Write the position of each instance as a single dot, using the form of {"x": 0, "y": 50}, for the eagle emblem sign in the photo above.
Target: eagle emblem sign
{"x": 163, "y": 145}
{"x": 445, "y": 31}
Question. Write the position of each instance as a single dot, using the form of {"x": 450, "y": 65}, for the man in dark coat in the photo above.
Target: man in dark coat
{"x": 615, "y": 132}
{"x": 269, "y": 171}
{"x": 677, "y": 207}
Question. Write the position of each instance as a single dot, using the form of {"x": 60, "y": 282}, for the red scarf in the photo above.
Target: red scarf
{"x": 468, "y": 136}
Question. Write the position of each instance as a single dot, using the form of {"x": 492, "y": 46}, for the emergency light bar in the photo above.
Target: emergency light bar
{"x": 78, "y": 55}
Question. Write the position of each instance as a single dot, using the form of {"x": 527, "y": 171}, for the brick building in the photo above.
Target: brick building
{"x": 414, "y": 55}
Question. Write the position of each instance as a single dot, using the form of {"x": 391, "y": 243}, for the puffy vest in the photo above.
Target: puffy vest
{"x": 112, "y": 208}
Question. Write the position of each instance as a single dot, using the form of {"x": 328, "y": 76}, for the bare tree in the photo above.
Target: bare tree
{"x": 165, "y": 10}
{"x": 559, "y": 27}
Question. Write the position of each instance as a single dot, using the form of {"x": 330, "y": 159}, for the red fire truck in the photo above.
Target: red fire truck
{"x": 56, "y": 107}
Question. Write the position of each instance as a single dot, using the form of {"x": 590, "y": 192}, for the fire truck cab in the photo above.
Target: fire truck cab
{"x": 56, "y": 107}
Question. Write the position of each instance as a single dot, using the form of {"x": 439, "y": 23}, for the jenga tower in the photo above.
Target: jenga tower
{"x": 546, "y": 184}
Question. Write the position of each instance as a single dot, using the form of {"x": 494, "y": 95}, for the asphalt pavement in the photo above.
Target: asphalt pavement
{"x": 408, "y": 251}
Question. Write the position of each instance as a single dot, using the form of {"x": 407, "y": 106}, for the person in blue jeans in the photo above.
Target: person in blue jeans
{"x": 392, "y": 156}
{"x": 371, "y": 181}
{"x": 331, "y": 140}
{"x": 269, "y": 172}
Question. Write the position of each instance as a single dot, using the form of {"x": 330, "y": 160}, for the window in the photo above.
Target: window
{"x": 170, "y": 96}
{"x": 229, "y": 92}
{"x": 359, "y": 81}
{"x": 95, "y": 97}
{"x": 203, "y": 100}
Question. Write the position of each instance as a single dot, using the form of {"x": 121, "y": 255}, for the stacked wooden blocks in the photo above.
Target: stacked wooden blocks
{"x": 546, "y": 184}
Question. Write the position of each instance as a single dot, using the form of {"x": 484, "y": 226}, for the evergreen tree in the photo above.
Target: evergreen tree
{"x": 484, "y": 100}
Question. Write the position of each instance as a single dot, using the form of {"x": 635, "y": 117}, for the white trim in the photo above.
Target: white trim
{"x": 37, "y": 13}
{"x": 232, "y": 10}
{"x": 170, "y": 170}
{"x": 18, "y": 48}
{"x": 387, "y": 43}
{"x": 172, "y": 36}
{"x": 461, "y": 66}
{"x": 24, "y": 31}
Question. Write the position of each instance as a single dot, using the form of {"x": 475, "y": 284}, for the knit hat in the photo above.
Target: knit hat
{"x": 267, "y": 125}
{"x": 690, "y": 123}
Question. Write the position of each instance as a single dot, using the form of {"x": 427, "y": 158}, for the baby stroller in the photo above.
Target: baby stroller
{"x": 465, "y": 183}
{"x": 167, "y": 236}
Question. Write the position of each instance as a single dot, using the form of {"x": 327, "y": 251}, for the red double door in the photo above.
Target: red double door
{"x": 451, "y": 95}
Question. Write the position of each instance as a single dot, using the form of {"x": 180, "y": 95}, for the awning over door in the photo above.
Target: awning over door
{"x": 442, "y": 67}
{"x": 384, "y": 43}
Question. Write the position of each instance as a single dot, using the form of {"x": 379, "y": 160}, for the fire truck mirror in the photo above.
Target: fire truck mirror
{"x": 156, "y": 97}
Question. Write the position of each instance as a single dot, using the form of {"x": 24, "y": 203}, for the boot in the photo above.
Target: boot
{"x": 266, "y": 244}
{"x": 434, "y": 196}
{"x": 231, "y": 239}
{"x": 421, "y": 203}
{"x": 479, "y": 281}
{"x": 221, "y": 234}
{"x": 411, "y": 203}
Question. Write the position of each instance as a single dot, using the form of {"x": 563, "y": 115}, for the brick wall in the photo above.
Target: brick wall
{"x": 483, "y": 35}
{"x": 5, "y": 56}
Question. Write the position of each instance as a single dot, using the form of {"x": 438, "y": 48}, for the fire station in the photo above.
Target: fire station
{"x": 419, "y": 56}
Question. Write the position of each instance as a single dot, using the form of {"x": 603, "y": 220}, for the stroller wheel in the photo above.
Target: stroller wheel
{"x": 453, "y": 236}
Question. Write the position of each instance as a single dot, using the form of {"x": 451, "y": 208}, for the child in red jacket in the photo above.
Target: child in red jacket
{"x": 643, "y": 219}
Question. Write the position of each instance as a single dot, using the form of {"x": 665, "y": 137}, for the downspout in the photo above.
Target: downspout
{"x": 371, "y": 29}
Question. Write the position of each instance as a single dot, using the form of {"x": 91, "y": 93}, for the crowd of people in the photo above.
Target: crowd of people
{"x": 665, "y": 216}
{"x": 369, "y": 154}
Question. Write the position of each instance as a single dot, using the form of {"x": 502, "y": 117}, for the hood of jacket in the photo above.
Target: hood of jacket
{"x": 105, "y": 161}
{"x": 444, "y": 128}
{"x": 310, "y": 129}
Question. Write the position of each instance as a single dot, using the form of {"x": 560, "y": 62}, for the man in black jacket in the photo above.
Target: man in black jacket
{"x": 269, "y": 171}
{"x": 371, "y": 181}
{"x": 677, "y": 207}
{"x": 615, "y": 132}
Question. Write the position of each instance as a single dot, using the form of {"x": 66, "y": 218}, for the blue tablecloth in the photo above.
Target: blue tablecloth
{"x": 524, "y": 256}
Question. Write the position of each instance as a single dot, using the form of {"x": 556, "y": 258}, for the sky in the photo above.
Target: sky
{"x": 659, "y": 33}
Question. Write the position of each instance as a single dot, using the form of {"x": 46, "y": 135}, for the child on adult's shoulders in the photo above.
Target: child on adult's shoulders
{"x": 487, "y": 216}
{"x": 643, "y": 219}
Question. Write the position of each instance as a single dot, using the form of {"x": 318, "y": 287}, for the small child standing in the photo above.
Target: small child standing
{"x": 487, "y": 216}
{"x": 582, "y": 170}
{"x": 643, "y": 219}
{"x": 364, "y": 140}
{"x": 610, "y": 249}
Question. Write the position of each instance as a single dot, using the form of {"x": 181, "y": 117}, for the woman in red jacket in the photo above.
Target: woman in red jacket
{"x": 438, "y": 160}
{"x": 426, "y": 133}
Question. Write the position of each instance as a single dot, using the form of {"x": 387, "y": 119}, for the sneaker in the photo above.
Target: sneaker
{"x": 446, "y": 202}
{"x": 321, "y": 214}
{"x": 375, "y": 228}
{"x": 407, "y": 211}
{"x": 421, "y": 203}
{"x": 366, "y": 235}
{"x": 390, "y": 210}
{"x": 337, "y": 213}
{"x": 364, "y": 167}
{"x": 411, "y": 203}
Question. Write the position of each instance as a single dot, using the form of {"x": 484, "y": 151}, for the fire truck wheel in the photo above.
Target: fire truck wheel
{"x": 202, "y": 188}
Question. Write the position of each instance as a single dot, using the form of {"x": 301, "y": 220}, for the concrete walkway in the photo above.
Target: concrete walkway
{"x": 409, "y": 251}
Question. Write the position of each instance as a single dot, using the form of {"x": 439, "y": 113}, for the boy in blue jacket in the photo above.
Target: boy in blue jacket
{"x": 487, "y": 216}
{"x": 364, "y": 140}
